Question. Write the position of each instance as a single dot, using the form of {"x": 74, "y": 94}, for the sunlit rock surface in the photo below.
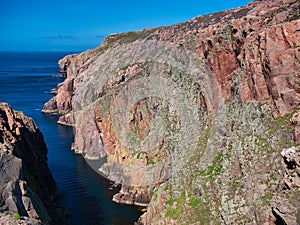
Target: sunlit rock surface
{"x": 27, "y": 193}
{"x": 191, "y": 119}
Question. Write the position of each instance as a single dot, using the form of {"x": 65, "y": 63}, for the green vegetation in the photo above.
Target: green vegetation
{"x": 150, "y": 161}
{"x": 203, "y": 139}
{"x": 237, "y": 185}
{"x": 293, "y": 17}
{"x": 138, "y": 155}
{"x": 195, "y": 202}
{"x": 132, "y": 36}
{"x": 124, "y": 38}
{"x": 268, "y": 196}
{"x": 175, "y": 207}
{"x": 168, "y": 125}
{"x": 204, "y": 215}
{"x": 251, "y": 134}
{"x": 16, "y": 216}
{"x": 155, "y": 194}
{"x": 214, "y": 169}
{"x": 273, "y": 176}
{"x": 279, "y": 123}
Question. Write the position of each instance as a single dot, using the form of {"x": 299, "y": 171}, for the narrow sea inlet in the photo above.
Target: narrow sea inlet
{"x": 25, "y": 82}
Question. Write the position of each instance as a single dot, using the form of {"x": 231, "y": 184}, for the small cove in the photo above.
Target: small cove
{"x": 25, "y": 81}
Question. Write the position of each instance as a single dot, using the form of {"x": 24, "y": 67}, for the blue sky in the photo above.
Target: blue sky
{"x": 81, "y": 24}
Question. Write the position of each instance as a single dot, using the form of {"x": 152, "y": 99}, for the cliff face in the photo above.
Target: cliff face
{"x": 27, "y": 186}
{"x": 195, "y": 119}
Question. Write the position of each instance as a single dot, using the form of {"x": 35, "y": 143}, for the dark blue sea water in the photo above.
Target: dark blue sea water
{"x": 25, "y": 82}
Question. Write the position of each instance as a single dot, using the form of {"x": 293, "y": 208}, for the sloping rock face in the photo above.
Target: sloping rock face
{"x": 192, "y": 119}
{"x": 27, "y": 187}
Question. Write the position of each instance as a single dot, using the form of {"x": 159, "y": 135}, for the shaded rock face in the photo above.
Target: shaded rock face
{"x": 27, "y": 186}
{"x": 192, "y": 118}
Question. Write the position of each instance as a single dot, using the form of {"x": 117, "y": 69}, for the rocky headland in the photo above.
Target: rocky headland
{"x": 28, "y": 190}
{"x": 198, "y": 121}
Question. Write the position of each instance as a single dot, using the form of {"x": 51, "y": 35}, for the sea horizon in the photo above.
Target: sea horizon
{"x": 26, "y": 79}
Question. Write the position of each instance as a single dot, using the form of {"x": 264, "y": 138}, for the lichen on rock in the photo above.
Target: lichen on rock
{"x": 192, "y": 118}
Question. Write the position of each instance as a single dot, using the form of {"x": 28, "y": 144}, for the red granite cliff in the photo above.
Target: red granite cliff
{"x": 27, "y": 187}
{"x": 195, "y": 120}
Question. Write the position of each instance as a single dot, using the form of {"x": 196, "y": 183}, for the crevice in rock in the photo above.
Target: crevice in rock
{"x": 279, "y": 220}
{"x": 290, "y": 165}
{"x": 203, "y": 102}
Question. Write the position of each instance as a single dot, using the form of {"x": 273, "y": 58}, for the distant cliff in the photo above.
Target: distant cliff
{"x": 199, "y": 120}
{"x": 27, "y": 190}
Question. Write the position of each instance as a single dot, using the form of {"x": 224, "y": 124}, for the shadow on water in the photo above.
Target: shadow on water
{"x": 85, "y": 193}
{"x": 25, "y": 82}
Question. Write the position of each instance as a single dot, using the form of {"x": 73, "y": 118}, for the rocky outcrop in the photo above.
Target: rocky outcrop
{"x": 192, "y": 118}
{"x": 27, "y": 190}
{"x": 60, "y": 104}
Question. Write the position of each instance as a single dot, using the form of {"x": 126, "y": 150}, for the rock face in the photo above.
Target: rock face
{"x": 191, "y": 119}
{"x": 27, "y": 187}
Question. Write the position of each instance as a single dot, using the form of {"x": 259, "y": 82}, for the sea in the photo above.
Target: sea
{"x": 26, "y": 79}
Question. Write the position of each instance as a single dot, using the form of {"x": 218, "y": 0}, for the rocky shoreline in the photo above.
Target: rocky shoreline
{"x": 195, "y": 119}
{"x": 28, "y": 190}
